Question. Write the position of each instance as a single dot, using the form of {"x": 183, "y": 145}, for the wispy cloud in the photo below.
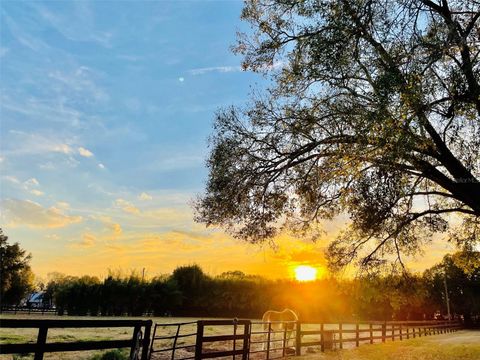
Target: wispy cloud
{"x": 79, "y": 26}
{"x": 232, "y": 68}
{"x": 220, "y": 69}
{"x": 126, "y": 206}
{"x": 145, "y": 197}
{"x": 84, "y": 152}
{"x": 28, "y": 213}
{"x": 88, "y": 240}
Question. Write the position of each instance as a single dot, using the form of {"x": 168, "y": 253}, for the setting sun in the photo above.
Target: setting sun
{"x": 305, "y": 273}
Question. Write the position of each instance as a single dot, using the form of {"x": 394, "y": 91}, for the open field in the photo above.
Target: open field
{"x": 461, "y": 345}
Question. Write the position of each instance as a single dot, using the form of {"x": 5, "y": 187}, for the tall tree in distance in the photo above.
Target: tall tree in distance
{"x": 16, "y": 277}
{"x": 374, "y": 113}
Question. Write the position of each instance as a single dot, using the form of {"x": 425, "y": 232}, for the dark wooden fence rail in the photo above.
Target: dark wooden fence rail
{"x": 41, "y": 346}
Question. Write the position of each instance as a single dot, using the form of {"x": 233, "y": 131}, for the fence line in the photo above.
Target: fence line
{"x": 137, "y": 344}
{"x": 277, "y": 342}
{"x": 273, "y": 337}
{"x": 389, "y": 331}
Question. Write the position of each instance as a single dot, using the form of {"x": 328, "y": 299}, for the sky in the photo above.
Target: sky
{"x": 106, "y": 108}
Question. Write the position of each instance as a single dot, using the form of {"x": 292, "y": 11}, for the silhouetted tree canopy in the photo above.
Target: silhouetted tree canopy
{"x": 16, "y": 277}
{"x": 374, "y": 113}
{"x": 461, "y": 272}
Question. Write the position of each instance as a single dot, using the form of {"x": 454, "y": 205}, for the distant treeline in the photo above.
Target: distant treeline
{"x": 188, "y": 291}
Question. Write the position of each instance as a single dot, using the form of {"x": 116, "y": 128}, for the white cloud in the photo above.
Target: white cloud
{"x": 11, "y": 179}
{"x": 62, "y": 205}
{"x": 181, "y": 79}
{"x": 25, "y": 212}
{"x": 234, "y": 68}
{"x": 37, "y": 192}
{"x": 62, "y": 148}
{"x": 101, "y": 166}
{"x": 126, "y": 206}
{"x": 84, "y": 152}
{"x": 221, "y": 69}
{"x": 145, "y": 197}
{"x": 31, "y": 182}
{"x": 23, "y": 143}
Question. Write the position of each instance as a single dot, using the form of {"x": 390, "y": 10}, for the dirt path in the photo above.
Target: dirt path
{"x": 461, "y": 345}
{"x": 459, "y": 337}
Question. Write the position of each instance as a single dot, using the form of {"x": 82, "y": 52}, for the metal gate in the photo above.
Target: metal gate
{"x": 203, "y": 339}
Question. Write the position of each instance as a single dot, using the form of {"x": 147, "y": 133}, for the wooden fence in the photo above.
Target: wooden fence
{"x": 265, "y": 340}
{"x": 28, "y": 310}
{"x": 138, "y": 344}
{"x": 238, "y": 338}
{"x": 368, "y": 332}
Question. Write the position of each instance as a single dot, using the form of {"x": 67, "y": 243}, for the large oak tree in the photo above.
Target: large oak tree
{"x": 373, "y": 112}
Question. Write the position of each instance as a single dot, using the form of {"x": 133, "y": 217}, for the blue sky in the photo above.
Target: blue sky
{"x": 106, "y": 108}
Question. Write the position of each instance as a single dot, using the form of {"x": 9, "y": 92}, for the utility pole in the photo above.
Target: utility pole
{"x": 446, "y": 293}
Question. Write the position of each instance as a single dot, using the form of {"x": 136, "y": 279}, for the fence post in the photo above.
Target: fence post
{"x": 268, "y": 340}
{"x": 384, "y": 331}
{"x": 393, "y": 332}
{"x": 371, "y": 334}
{"x": 400, "y": 328}
{"x": 246, "y": 340}
{"x": 284, "y": 342}
{"x": 408, "y": 336}
{"x": 146, "y": 339}
{"x": 357, "y": 335}
{"x": 41, "y": 340}
{"x": 234, "y": 336}
{"x": 322, "y": 339}
{"x": 199, "y": 340}
{"x": 340, "y": 335}
{"x": 133, "y": 348}
{"x": 298, "y": 339}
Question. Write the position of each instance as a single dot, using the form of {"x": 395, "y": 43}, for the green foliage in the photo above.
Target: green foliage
{"x": 16, "y": 277}
{"x": 116, "y": 295}
{"x": 461, "y": 272}
{"x": 190, "y": 292}
{"x": 373, "y": 112}
{"x": 111, "y": 355}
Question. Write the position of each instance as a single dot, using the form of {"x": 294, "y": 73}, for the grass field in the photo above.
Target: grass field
{"x": 461, "y": 345}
